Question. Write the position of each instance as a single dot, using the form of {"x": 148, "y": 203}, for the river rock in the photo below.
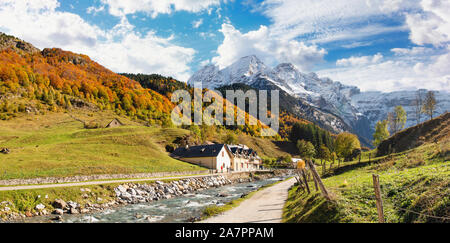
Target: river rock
{"x": 73, "y": 211}
{"x": 223, "y": 194}
{"x": 131, "y": 191}
{"x": 40, "y": 206}
{"x": 59, "y": 203}
{"x": 71, "y": 205}
{"x": 84, "y": 210}
{"x": 194, "y": 219}
{"x": 121, "y": 189}
{"x": 57, "y": 218}
{"x": 58, "y": 211}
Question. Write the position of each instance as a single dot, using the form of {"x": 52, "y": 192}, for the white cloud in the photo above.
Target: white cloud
{"x": 390, "y": 5}
{"x": 411, "y": 69}
{"x": 415, "y": 51}
{"x": 121, "y": 48}
{"x": 330, "y": 20}
{"x": 197, "y": 24}
{"x": 354, "y": 22}
{"x": 205, "y": 35}
{"x": 95, "y": 10}
{"x": 155, "y": 7}
{"x": 265, "y": 46}
{"x": 432, "y": 26}
{"x": 416, "y": 67}
{"x": 205, "y": 62}
{"x": 359, "y": 61}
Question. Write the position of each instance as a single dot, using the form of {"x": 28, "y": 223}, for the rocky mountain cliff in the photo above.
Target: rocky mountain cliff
{"x": 333, "y": 105}
{"x": 16, "y": 44}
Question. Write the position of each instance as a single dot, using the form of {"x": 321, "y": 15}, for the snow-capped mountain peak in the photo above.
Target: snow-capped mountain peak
{"x": 359, "y": 110}
{"x": 242, "y": 71}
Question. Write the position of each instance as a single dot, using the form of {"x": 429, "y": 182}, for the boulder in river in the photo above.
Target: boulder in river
{"x": 59, "y": 203}
{"x": 58, "y": 211}
{"x": 223, "y": 194}
{"x": 74, "y": 211}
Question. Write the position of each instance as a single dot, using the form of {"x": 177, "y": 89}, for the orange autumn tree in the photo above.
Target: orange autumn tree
{"x": 55, "y": 78}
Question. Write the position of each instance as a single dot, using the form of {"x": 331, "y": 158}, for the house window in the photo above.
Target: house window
{"x": 223, "y": 154}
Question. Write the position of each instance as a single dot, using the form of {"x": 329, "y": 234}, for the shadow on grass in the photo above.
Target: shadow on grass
{"x": 313, "y": 208}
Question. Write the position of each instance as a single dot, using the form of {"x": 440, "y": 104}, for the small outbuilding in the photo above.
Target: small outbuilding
{"x": 114, "y": 123}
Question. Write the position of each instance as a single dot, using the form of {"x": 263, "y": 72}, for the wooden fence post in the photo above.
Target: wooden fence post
{"x": 319, "y": 181}
{"x": 324, "y": 169}
{"x": 376, "y": 186}
{"x": 315, "y": 181}
{"x": 300, "y": 182}
{"x": 305, "y": 180}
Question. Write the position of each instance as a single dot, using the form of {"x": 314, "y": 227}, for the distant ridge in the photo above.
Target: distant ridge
{"x": 334, "y": 106}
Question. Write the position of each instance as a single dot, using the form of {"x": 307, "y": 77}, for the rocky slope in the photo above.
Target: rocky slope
{"x": 16, "y": 44}
{"x": 333, "y": 105}
{"x": 375, "y": 105}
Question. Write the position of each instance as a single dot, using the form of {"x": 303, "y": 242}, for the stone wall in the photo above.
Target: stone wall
{"x": 54, "y": 180}
{"x": 72, "y": 179}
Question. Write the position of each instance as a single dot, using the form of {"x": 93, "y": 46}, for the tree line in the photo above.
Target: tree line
{"x": 315, "y": 142}
{"x": 423, "y": 103}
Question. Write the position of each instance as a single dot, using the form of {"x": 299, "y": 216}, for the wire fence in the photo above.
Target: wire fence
{"x": 421, "y": 214}
{"x": 409, "y": 187}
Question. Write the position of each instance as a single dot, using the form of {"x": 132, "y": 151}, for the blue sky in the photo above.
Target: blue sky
{"x": 384, "y": 45}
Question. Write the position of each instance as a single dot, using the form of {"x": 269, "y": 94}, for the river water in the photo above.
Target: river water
{"x": 174, "y": 210}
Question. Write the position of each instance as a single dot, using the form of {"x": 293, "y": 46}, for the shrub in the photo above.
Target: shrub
{"x": 91, "y": 125}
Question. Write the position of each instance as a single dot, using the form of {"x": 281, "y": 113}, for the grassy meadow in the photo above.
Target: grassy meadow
{"x": 58, "y": 145}
{"x": 415, "y": 185}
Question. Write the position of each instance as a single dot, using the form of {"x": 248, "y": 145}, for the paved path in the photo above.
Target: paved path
{"x": 265, "y": 206}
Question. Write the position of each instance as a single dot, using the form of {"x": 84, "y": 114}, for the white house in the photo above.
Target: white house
{"x": 220, "y": 157}
{"x": 244, "y": 158}
{"x": 215, "y": 156}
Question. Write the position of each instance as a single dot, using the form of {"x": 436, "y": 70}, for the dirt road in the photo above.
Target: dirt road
{"x": 266, "y": 206}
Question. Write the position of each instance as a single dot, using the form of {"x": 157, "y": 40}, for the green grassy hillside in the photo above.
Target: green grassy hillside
{"x": 415, "y": 188}
{"x": 58, "y": 145}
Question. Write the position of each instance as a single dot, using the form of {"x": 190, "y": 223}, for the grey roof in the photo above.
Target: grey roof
{"x": 212, "y": 150}
{"x": 115, "y": 119}
{"x": 241, "y": 150}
